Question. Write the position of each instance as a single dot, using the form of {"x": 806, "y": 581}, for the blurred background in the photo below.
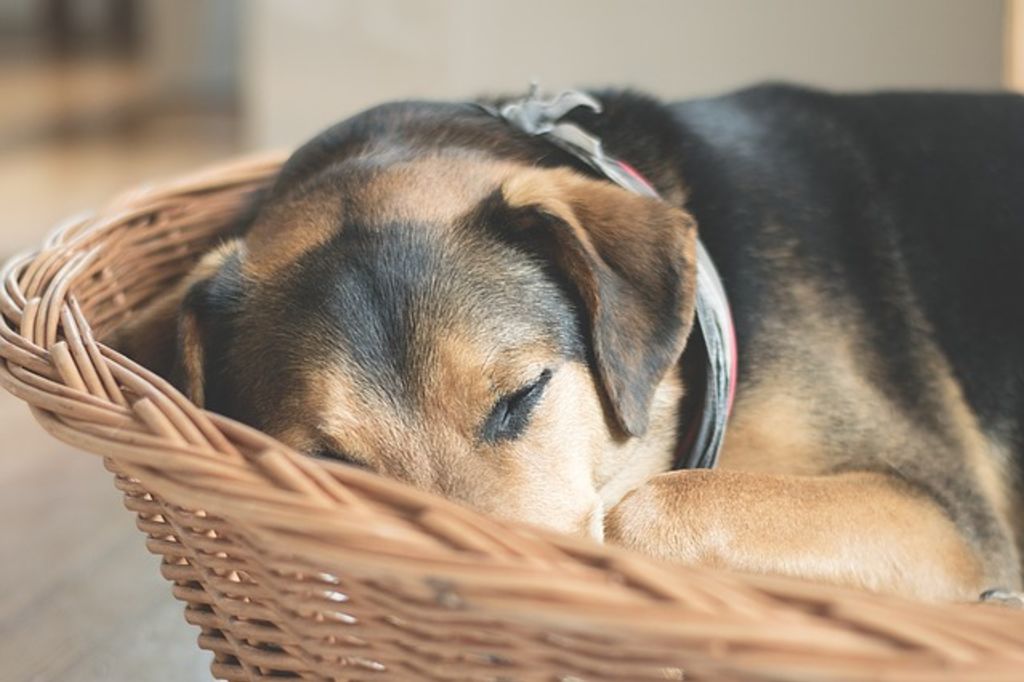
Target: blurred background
{"x": 99, "y": 95}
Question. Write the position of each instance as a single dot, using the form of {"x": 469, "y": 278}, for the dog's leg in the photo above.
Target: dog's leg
{"x": 861, "y": 529}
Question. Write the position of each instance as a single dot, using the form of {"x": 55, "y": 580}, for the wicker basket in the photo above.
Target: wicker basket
{"x": 292, "y": 567}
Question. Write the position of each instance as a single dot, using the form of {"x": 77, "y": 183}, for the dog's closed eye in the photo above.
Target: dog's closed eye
{"x": 510, "y": 416}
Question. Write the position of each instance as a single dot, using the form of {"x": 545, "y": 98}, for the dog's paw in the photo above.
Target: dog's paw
{"x": 997, "y": 595}
{"x": 649, "y": 519}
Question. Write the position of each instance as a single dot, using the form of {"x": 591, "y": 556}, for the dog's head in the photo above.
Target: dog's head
{"x": 494, "y": 332}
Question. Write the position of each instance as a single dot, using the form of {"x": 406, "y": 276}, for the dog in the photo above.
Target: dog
{"x": 440, "y": 297}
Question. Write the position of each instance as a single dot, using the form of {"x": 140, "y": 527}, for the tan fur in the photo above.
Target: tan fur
{"x": 777, "y": 424}
{"x": 857, "y": 529}
{"x": 622, "y": 464}
{"x": 602, "y": 215}
{"x": 435, "y": 189}
{"x": 289, "y": 229}
{"x": 770, "y": 433}
{"x": 152, "y": 336}
{"x": 431, "y": 190}
{"x": 530, "y": 479}
{"x": 987, "y": 459}
{"x": 191, "y": 352}
{"x": 569, "y": 467}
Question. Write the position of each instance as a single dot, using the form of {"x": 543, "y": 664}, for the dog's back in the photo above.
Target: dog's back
{"x": 877, "y": 237}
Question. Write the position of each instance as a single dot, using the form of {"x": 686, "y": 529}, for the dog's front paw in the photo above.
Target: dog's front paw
{"x": 651, "y": 519}
{"x": 624, "y": 523}
{"x": 1013, "y": 600}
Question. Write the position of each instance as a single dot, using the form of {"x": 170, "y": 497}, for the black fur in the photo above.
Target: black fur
{"x": 892, "y": 199}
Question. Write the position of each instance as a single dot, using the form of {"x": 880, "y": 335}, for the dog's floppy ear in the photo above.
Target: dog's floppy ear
{"x": 167, "y": 336}
{"x": 632, "y": 260}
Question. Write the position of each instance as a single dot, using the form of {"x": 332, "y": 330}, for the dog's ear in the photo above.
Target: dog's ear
{"x": 168, "y": 336}
{"x": 632, "y": 261}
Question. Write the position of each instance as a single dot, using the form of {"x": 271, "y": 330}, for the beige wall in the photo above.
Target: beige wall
{"x": 192, "y": 47}
{"x": 307, "y": 63}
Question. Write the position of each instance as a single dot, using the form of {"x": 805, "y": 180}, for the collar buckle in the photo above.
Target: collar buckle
{"x": 537, "y": 116}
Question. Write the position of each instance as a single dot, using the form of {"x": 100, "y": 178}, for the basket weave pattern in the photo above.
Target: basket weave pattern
{"x": 292, "y": 567}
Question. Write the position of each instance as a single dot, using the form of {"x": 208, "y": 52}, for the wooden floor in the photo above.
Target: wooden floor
{"x": 81, "y": 598}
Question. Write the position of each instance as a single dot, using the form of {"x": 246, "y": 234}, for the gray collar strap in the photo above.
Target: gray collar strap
{"x": 543, "y": 117}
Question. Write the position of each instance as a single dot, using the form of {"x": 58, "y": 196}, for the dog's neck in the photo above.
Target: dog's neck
{"x": 643, "y": 133}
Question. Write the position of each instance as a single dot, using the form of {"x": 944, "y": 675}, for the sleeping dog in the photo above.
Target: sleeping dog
{"x": 445, "y": 298}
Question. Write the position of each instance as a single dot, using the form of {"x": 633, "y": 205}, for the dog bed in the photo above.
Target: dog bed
{"x": 298, "y": 568}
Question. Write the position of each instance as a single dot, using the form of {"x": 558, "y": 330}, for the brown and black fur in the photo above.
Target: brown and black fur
{"x": 436, "y": 296}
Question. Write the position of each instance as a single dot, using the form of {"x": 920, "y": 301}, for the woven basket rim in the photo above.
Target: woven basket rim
{"x": 294, "y": 508}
